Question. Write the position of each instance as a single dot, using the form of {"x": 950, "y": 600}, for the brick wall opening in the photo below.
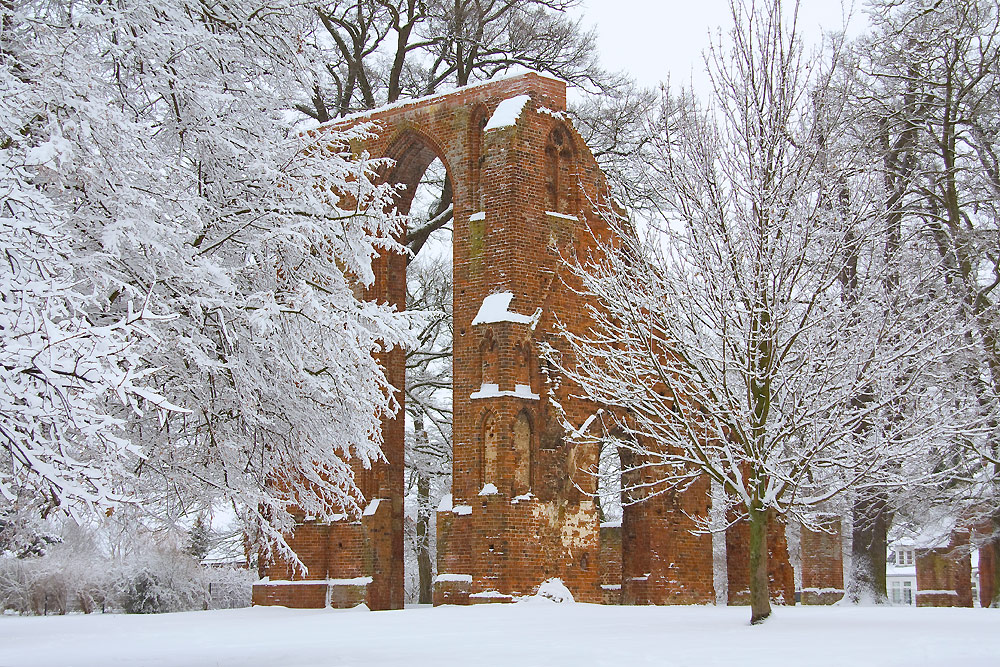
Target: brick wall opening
{"x": 526, "y": 193}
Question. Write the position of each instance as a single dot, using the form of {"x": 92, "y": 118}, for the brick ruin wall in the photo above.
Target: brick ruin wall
{"x": 522, "y": 508}
{"x": 822, "y": 561}
{"x": 780, "y": 576}
{"x": 944, "y": 574}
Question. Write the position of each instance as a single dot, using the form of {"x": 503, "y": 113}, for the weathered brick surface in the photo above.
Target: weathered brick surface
{"x": 338, "y": 555}
{"x": 822, "y": 562}
{"x": 302, "y": 595}
{"x": 610, "y": 572}
{"x": 944, "y": 574}
{"x": 524, "y": 196}
{"x": 665, "y": 558}
{"x": 988, "y": 554}
{"x": 781, "y": 577}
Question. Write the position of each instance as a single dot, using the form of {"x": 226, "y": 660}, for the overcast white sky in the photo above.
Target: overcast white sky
{"x": 654, "y": 39}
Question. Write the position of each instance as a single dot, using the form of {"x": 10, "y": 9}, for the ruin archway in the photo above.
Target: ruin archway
{"x": 526, "y": 192}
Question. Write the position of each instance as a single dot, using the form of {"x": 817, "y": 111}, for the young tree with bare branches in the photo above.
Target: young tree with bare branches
{"x": 724, "y": 345}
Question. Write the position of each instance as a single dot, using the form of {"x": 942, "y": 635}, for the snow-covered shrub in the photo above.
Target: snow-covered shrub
{"x": 15, "y": 585}
{"x": 98, "y": 569}
{"x": 229, "y": 587}
{"x": 162, "y": 580}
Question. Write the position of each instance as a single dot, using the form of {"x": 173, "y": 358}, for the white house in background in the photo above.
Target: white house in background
{"x": 901, "y": 574}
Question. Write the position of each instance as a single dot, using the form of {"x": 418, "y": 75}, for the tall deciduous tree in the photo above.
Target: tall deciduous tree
{"x": 155, "y": 165}
{"x": 932, "y": 71}
{"x": 380, "y": 51}
{"x": 724, "y": 344}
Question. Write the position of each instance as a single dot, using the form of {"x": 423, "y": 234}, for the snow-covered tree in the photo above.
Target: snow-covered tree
{"x": 63, "y": 355}
{"x": 727, "y": 342}
{"x": 380, "y": 51}
{"x": 156, "y": 163}
{"x": 931, "y": 72}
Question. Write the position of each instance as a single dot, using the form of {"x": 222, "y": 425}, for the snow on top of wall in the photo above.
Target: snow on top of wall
{"x": 444, "y": 91}
{"x": 564, "y": 216}
{"x": 490, "y": 390}
{"x": 462, "y": 510}
{"x": 489, "y": 594}
{"x": 489, "y": 489}
{"x": 481, "y": 215}
{"x": 487, "y": 390}
{"x": 467, "y": 578}
{"x": 356, "y": 581}
{"x": 372, "y": 507}
{"x": 561, "y": 115}
{"x": 496, "y": 308}
{"x": 524, "y": 391}
{"x": 507, "y": 112}
{"x": 445, "y": 504}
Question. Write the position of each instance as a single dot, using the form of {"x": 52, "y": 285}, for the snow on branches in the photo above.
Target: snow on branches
{"x": 149, "y": 157}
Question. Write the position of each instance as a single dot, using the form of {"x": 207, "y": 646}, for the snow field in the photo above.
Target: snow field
{"x": 531, "y": 633}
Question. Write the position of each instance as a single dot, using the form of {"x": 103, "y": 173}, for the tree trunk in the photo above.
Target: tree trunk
{"x": 760, "y": 598}
{"x": 423, "y": 539}
{"x": 994, "y": 548}
{"x": 989, "y": 567}
{"x": 869, "y": 550}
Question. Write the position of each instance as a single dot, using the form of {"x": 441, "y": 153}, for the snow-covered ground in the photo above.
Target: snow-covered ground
{"x": 523, "y": 635}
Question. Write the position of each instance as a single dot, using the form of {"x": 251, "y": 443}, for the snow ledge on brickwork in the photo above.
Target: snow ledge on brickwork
{"x": 481, "y": 215}
{"x": 522, "y": 498}
{"x": 490, "y": 390}
{"x": 489, "y": 594}
{"x": 496, "y": 308}
{"x": 464, "y": 578}
{"x": 564, "y": 216}
{"x": 507, "y": 112}
{"x": 372, "y": 507}
{"x": 489, "y": 489}
{"x": 333, "y": 518}
{"x": 445, "y": 504}
{"x": 356, "y": 581}
{"x": 612, "y": 524}
{"x": 822, "y": 591}
{"x": 561, "y": 115}
{"x": 427, "y": 98}
{"x": 462, "y": 510}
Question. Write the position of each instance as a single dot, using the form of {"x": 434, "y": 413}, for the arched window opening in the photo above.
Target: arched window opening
{"x": 429, "y": 234}
{"x": 427, "y": 272}
{"x": 609, "y": 482}
{"x": 489, "y": 360}
{"x": 523, "y": 364}
{"x": 477, "y": 124}
{"x": 558, "y": 164}
{"x": 490, "y": 450}
{"x": 522, "y": 454}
